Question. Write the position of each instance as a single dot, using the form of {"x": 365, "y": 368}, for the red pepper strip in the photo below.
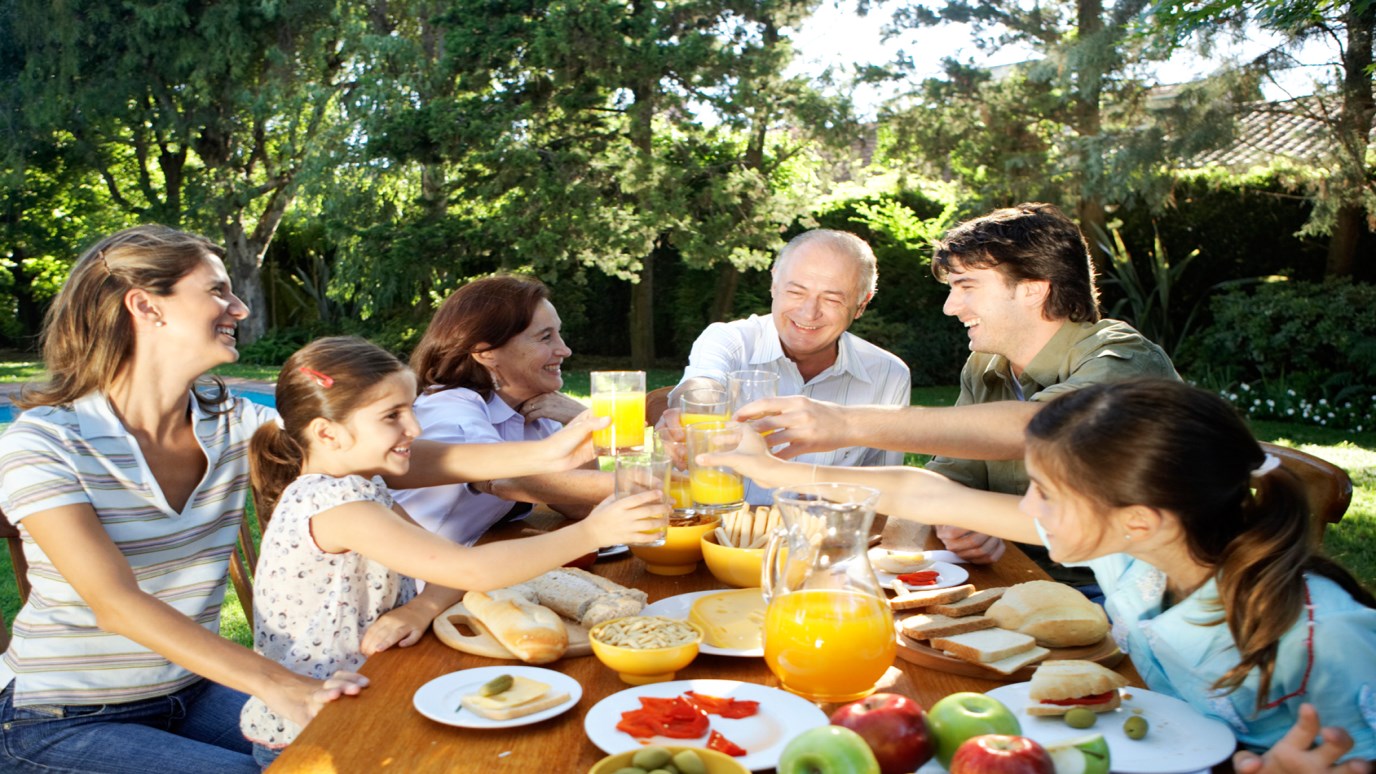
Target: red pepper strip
{"x": 924, "y": 578}
{"x": 674, "y": 718}
{"x": 725, "y": 707}
{"x": 1098, "y": 698}
{"x": 721, "y": 744}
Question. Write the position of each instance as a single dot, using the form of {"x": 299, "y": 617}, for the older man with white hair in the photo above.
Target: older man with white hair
{"x": 822, "y": 281}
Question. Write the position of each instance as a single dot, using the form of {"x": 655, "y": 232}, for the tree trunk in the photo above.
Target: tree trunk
{"x": 1342, "y": 243}
{"x": 244, "y": 261}
{"x": 642, "y": 320}
{"x": 1089, "y": 124}
{"x": 1354, "y": 131}
{"x": 724, "y": 298}
{"x": 642, "y": 293}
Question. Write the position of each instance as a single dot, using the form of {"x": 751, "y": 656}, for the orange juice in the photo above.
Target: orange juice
{"x": 680, "y": 491}
{"x": 829, "y": 646}
{"x": 693, "y": 419}
{"x": 627, "y": 430}
{"x": 715, "y": 487}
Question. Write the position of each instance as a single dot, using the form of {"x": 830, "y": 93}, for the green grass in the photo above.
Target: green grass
{"x": 1352, "y": 542}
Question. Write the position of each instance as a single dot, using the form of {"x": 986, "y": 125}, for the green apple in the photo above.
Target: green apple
{"x": 1082, "y": 755}
{"x": 963, "y": 715}
{"x": 827, "y": 750}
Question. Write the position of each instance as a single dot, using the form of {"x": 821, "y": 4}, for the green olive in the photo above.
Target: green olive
{"x": 498, "y": 684}
{"x": 664, "y": 771}
{"x": 651, "y": 758}
{"x": 629, "y": 770}
{"x": 1135, "y": 727}
{"x": 1080, "y": 718}
{"x": 688, "y": 762}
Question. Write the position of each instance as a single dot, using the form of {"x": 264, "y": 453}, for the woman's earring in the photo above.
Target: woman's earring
{"x": 159, "y": 324}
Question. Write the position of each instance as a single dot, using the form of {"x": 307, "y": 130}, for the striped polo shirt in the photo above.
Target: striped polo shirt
{"x": 58, "y": 456}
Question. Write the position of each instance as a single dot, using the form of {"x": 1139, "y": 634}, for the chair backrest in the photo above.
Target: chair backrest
{"x": 1329, "y": 487}
{"x": 21, "y": 571}
{"x": 656, "y": 401}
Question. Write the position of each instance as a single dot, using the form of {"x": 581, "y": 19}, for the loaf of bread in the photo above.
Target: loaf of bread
{"x": 583, "y": 596}
{"x": 1056, "y": 615}
{"x": 532, "y": 632}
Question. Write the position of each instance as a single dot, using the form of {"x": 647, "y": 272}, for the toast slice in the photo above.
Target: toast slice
{"x": 971, "y": 605}
{"x": 925, "y": 626}
{"x": 917, "y": 599}
{"x": 985, "y": 646}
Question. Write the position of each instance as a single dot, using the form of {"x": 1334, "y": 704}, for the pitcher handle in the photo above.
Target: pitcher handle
{"x": 769, "y": 570}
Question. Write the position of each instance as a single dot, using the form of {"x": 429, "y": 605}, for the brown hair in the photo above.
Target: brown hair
{"x": 1032, "y": 241}
{"x": 478, "y": 317}
{"x": 1179, "y": 449}
{"x": 88, "y": 335}
{"x": 329, "y": 378}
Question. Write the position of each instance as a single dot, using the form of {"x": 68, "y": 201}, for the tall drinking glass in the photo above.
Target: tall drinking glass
{"x": 704, "y": 404}
{"x": 714, "y": 489}
{"x": 621, "y": 396}
{"x": 644, "y": 472}
{"x": 679, "y": 491}
{"x": 750, "y": 386}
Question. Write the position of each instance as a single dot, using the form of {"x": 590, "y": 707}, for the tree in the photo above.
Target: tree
{"x": 1344, "y": 192}
{"x": 193, "y": 115}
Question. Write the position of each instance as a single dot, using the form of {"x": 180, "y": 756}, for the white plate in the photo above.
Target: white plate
{"x": 679, "y": 607}
{"x": 616, "y": 550}
{"x": 763, "y": 735}
{"x": 439, "y": 698}
{"x": 1179, "y": 739}
{"x": 950, "y": 574}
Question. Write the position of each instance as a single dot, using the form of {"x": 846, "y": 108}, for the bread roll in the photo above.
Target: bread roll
{"x": 584, "y": 597}
{"x": 1057, "y": 615}
{"x": 532, "y": 632}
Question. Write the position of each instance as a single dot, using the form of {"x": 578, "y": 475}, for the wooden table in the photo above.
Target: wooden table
{"x": 381, "y": 731}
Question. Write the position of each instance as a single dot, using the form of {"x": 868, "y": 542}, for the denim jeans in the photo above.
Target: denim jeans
{"x": 195, "y": 730}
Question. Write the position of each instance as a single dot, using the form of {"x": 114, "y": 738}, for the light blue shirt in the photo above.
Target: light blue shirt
{"x": 1180, "y": 651}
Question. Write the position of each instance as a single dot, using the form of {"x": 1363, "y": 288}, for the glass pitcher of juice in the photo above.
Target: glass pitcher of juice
{"x": 828, "y": 631}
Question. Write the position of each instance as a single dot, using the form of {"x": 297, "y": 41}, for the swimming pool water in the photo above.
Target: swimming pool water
{"x": 9, "y": 412}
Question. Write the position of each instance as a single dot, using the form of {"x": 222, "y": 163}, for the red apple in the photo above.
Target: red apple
{"x": 1001, "y": 754}
{"x": 894, "y": 726}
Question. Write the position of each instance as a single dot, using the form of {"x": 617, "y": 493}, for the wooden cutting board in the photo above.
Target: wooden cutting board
{"x": 461, "y": 630}
{"x": 1104, "y": 652}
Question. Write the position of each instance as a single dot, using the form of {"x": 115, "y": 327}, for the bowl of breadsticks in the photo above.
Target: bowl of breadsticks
{"x": 734, "y": 552}
{"x": 682, "y": 549}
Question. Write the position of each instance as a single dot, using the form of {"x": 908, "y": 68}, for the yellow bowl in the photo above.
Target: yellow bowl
{"x": 717, "y": 763}
{"x": 638, "y": 666}
{"x": 681, "y": 551}
{"x": 734, "y": 566}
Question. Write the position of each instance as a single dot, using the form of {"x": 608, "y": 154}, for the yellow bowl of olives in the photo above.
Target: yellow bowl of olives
{"x": 685, "y": 760}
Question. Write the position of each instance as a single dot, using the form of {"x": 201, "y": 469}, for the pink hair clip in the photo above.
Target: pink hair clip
{"x": 320, "y": 379}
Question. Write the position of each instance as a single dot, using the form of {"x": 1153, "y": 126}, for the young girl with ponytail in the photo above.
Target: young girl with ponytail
{"x": 1202, "y": 544}
{"x": 334, "y": 574}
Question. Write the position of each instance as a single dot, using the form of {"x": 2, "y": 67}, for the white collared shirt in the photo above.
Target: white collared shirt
{"x": 863, "y": 375}
{"x": 81, "y": 455}
{"x": 460, "y": 415}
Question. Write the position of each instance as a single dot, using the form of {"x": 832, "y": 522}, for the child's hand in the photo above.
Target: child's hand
{"x": 633, "y": 519}
{"x": 301, "y": 700}
{"x": 750, "y": 459}
{"x": 1296, "y": 753}
{"x": 402, "y": 626}
{"x": 572, "y": 445}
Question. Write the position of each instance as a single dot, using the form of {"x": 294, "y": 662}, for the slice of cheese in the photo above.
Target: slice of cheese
{"x": 522, "y": 690}
{"x": 731, "y": 619}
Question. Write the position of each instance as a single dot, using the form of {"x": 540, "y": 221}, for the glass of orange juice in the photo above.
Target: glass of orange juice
{"x": 704, "y": 404}
{"x": 621, "y": 396}
{"x": 643, "y": 472}
{"x": 749, "y": 386}
{"x": 714, "y": 489}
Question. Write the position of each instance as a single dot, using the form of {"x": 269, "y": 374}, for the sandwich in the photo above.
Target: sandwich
{"x": 1058, "y": 687}
{"x": 522, "y": 697}
{"x": 1056, "y": 615}
{"x": 999, "y": 650}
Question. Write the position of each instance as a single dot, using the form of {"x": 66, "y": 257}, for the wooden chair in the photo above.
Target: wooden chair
{"x": 241, "y": 564}
{"x": 1329, "y": 487}
{"x": 656, "y": 402}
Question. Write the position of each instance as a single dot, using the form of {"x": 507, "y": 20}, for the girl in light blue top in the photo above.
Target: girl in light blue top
{"x": 1202, "y": 544}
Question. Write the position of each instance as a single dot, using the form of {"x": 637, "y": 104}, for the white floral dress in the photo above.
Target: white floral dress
{"x": 311, "y": 608}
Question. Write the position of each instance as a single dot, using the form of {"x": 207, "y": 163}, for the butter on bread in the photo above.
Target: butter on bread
{"x": 524, "y": 697}
{"x": 1057, "y": 615}
{"x": 731, "y": 619}
{"x": 899, "y": 562}
{"x": 1070, "y": 679}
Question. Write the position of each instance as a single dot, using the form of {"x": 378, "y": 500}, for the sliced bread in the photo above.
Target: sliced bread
{"x": 925, "y": 626}
{"x": 916, "y": 599}
{"x": 1007, "y": 666}
{"x": 986, "y": 645}
{"x": 971, "y": 605}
